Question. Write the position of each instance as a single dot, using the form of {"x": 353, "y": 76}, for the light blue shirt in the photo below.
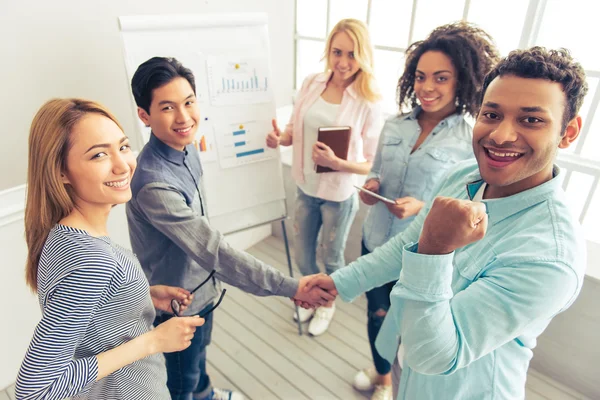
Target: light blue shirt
{"x": 470, "y": 319}
{"x": 402, "y": 174}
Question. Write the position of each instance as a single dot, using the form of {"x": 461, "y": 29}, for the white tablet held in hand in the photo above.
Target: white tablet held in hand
{"x": 377, "y": 196}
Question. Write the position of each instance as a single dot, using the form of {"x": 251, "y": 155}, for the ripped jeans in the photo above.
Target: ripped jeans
{"x": 378, "y": 304}
{"x": 335, "y": 217}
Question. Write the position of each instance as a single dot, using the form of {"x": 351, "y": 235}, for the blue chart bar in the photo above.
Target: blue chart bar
{"x": 249, "y": 153}
{"x": 247, "y": 84}
{"x": 238, "y": 144}
{"x": 235, "y": 133}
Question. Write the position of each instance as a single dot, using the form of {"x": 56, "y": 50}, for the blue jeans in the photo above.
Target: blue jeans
{"x": 186, "y": 370}
{"x": 335, "y": 217}
{"x": 378, "y": 299}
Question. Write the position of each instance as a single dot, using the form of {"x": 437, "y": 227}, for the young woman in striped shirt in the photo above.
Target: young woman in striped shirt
{"x": 95, "y": 339}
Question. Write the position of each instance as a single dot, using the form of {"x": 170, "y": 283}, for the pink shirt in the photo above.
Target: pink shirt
{"x": 363, "y": 116}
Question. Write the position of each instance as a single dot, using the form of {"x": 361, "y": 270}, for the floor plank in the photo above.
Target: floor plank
{"x": 276, "y": 358}
{"x": 245, "y": 381}
{"x": 219, "y": 378}
{"x": 338, "y": 328}
{"x": 543, "y": 388}
{"x": 299, "y": 349}
{"x": 551, "y": 388}
{"x": 533, "y": 395}
{"x": 334, "y": 341}
{"x": 330, "y": 369}
{"x": 258, "y": 366}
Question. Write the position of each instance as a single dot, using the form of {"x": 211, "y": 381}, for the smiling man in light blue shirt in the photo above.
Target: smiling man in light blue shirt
{"x": 484, "y": 268}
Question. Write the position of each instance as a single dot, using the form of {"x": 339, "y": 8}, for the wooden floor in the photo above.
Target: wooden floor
{"x": 256, "y": 348}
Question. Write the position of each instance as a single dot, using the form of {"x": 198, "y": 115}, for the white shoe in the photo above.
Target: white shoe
{"x": 305, "y": 314}
{"x": 321, "y": 320}
{"x": 224, "y": 394}
{"x": 365, "y": 379}
{"x": 382, "y": 393}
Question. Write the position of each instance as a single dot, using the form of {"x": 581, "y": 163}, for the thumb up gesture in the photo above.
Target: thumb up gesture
{"x": 274, "y": 137}
{"x": 452, "y": 224}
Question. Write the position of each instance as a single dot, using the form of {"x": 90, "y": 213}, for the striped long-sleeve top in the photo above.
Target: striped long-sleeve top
{"x": 94, "y": 297}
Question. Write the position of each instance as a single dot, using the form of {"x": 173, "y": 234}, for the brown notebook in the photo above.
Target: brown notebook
{"x": 336, "y": 137}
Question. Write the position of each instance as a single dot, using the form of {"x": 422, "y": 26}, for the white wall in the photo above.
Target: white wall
{"x": 20, "y": 305}
{"x": 72, "y": 48}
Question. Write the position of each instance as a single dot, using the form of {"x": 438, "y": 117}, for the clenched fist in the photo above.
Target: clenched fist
{"x": 452, "y": 224}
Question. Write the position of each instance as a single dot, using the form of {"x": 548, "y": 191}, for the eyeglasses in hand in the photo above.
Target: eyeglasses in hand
{"x": 176, "y": 306}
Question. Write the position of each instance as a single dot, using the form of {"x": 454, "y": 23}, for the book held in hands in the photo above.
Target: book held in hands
{"x": 338, "y": 139}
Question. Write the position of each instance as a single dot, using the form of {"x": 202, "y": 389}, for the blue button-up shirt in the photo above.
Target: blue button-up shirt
{"x": 402, "y": 174}
{"x": 470, "y": 319}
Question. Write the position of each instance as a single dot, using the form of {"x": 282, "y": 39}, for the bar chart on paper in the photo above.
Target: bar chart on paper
{"x": 242, "y": 143}
{"x": 205, "y": 143}
{"x": 236, "y": 82}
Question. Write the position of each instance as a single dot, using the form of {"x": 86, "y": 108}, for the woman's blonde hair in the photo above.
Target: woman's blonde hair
{"x": 363, "y": 54}
{"x": 48, "y": 199}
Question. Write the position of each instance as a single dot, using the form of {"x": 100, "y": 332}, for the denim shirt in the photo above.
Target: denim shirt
{"x": 470, "y": 319}
{"x": 402, "y": 174}
{"x": 171, "y": 235}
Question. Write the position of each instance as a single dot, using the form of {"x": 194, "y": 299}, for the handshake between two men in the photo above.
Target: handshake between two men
{"x": 315, "y": 291}
{"x": 469, "y": 222}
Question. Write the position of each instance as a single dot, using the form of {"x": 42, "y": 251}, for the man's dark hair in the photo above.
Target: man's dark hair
{"x": 472, "y": 52}
{"x": 155, "y": 73}
{"x": 552, "y": 65}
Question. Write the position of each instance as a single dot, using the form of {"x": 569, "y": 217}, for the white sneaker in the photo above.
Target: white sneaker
{"x": 321, "y": 320}
{"x": 382, "y": 393}
{"x": 365, "y": 379}
{"x": 224, "y": 394}
{"x": 305, "y": 314}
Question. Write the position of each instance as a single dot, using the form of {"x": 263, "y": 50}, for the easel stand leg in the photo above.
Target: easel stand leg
{"x": 289, "y": 260}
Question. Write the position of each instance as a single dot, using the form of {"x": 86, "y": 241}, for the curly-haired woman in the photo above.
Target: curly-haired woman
{"x": 441, "y": 82}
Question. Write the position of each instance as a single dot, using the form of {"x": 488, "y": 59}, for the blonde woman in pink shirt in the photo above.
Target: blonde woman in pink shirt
{"x": 343, "y": 95}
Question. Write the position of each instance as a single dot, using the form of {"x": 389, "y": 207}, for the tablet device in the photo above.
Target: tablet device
{"x": 377, "y": 196}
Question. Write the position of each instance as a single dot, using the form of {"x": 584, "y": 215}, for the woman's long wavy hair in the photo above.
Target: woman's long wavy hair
{"x": 364, "y": 82}
{"x": 48, "y": 199}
